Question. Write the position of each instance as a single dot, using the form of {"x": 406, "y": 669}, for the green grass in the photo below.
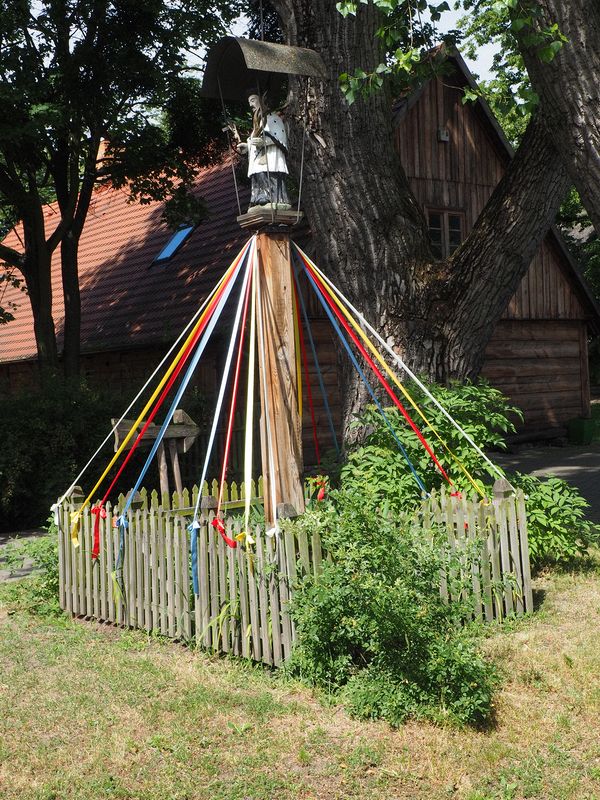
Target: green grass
{"x": 90, "y": 711}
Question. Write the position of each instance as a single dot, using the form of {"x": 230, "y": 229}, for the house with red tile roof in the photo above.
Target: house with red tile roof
{"x": 134, "y": 302}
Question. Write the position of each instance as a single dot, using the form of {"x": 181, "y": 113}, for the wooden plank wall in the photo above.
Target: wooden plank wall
{"x": 546, "y": 293}
{"x": 538, "y": 352}
{"x": 539, "y": 365}
{"x": 459, "y": 174}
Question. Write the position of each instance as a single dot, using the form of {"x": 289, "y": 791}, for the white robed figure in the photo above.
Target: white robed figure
{"x": 267, "y": 150}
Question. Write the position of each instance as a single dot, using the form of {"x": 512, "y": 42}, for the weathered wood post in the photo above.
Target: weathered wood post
{"x": 280, "y": 423}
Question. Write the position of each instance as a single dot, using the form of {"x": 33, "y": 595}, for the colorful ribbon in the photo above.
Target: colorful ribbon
{"x": 403, "y": 366}
{"x": 365, "y": 380}
{"x": 223, "y": 282}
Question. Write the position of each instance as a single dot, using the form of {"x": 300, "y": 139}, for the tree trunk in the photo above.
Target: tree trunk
{"x": 486, "y": 271}
{"x": 37, "y": 273}
{"x": 371, "y": 235}
{"x": 74, "y": 200}
{"x": 569, "y": 90}
{"x": 72, "y": 299}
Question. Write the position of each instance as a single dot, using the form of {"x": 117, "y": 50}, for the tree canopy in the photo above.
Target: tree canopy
{"x": 74, "y": 72}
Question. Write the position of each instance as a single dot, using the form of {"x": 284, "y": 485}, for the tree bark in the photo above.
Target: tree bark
{"x": 36, "y": 269}
{"x": 74, "y": 200}
{"x": 371, "y": 234}
{"x": 72, "y": 325}
{"x": 569, "y": 90}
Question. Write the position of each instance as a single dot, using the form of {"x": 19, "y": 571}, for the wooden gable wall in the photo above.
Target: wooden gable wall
{"x": 538, "y": 352}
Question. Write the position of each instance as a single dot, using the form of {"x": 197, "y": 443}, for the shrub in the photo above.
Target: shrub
{"x": 38, "y": 593}
{"x": 557, "y": 529}
{"x": 372, "y": 627}
{"x": 47, "y": 435}
{"x": 482, "y": 411}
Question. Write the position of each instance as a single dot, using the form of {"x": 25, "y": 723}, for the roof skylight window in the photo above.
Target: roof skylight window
{"x": 174, "y": 243}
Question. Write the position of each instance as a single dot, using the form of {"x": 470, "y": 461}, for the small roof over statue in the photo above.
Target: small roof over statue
{"x": 234, "y": 63}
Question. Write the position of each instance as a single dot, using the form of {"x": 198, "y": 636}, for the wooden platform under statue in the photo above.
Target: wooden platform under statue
{"x": 266, "y": 216}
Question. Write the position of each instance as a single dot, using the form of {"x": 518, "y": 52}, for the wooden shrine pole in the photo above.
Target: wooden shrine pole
{"x": 279, "y": 389}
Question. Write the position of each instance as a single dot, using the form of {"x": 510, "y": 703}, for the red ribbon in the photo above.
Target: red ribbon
{"x": 377, "y": 372}
{"x": 218, "y": 524}
{"x": 99, "y": 512}
{"x": 184, "y": 357}
{"x": 322, "y": 484}
{"x": 306, "y": 372}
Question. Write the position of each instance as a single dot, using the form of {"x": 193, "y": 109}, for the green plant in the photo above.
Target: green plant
{"x": 372, "y": 628}
{"x": 47, "y": 435}
{"x": 39, "y": 592}
{"x": 482, "y": 411}
{"x": 556, "y": 525}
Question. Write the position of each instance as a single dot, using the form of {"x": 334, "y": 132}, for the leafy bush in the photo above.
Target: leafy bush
{"x": 39, "y": 592}
{"x": 558, "y": 530}
{"x": 45, "y": 434}
{"x": 372, "y": 627}
{"x": 556, "y": 525}
{"x": 482, "y": 411}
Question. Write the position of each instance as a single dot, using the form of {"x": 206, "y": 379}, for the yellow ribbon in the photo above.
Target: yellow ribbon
{"x": 77, "y": 515}
{"x": 359, "y": 329}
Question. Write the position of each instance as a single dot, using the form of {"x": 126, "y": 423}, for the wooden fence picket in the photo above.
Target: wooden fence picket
{"x": 244, "y": 595}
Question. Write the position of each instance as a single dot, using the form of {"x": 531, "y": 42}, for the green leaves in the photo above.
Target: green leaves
{"x": 483, "y": 412}
{"x": 407, "y": 34}
{"x": 372, "y": 628}
{"x": 549, "y": 51}
{"x": 557, "y": 528}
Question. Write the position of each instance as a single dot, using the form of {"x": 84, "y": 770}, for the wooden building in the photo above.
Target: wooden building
{"x": 454, "y": 154}
{"x": 139, "y": 284}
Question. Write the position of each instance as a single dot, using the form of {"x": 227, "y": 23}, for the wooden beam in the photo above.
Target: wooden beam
{"x": 182, "y": 428}
{"x": 162, "y": 469}
{"x": 281, "y": 391}
{"x": 175, "y": 465}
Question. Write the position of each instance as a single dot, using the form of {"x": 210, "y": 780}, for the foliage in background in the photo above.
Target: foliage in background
{"x": 73, "y": 74}
{"x": 482, "y": 411}
{"x": 372, "y": 628}
{"x": 39, "y": 593}
{"x": 557, "y": 529}
{"x": 408, "y": 32}
{"x": 512, "y": 100}
{"x": 47, "y": 435}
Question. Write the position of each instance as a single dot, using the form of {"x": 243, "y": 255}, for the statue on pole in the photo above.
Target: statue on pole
{"x": 266, "y": 148}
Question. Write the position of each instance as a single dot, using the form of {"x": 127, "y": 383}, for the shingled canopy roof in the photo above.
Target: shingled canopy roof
{"x": 235, "y": 64}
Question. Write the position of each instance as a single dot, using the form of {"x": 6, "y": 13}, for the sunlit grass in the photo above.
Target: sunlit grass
{"x": 90, "y": 711}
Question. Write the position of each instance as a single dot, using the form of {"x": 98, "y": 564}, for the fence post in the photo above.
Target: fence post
{"x": 502, "y": 492}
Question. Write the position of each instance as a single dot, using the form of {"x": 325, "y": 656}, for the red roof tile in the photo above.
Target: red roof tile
{"x": 126, "y": 299}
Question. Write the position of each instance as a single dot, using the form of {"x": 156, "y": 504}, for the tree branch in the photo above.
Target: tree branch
{"x": 11, "y": 257}
{"x": 486, "y": 271}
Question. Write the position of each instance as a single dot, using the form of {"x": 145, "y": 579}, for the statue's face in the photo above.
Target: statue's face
{"x": 254, "y": 102}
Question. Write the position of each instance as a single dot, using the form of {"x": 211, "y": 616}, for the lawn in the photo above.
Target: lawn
{"x": 92, "y": 711}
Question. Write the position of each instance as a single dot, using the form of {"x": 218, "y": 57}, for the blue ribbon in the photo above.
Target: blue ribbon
{"x": 357, "y": 366}
{"x": 317, "y": 366}
{"x": 193, "y": 528}
{"x": 186, "y": 379}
